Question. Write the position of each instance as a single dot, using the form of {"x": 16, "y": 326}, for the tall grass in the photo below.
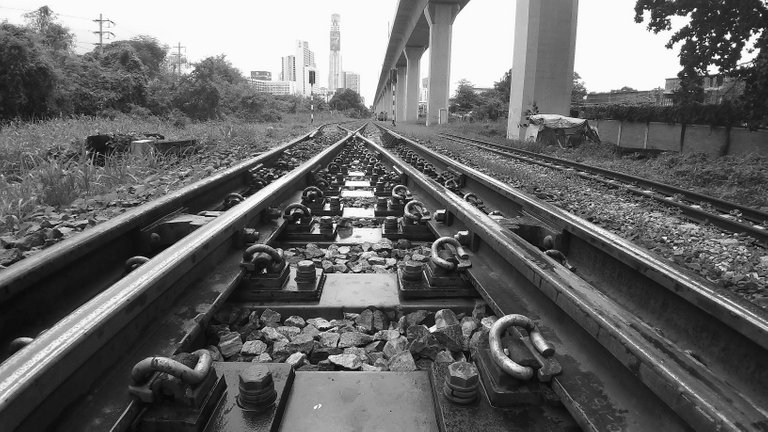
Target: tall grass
{"x": 44, "y": 164}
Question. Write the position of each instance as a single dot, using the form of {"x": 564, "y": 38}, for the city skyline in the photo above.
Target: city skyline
{"x": 612, "y": 51}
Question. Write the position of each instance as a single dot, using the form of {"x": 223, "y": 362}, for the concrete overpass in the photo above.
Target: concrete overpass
{"x": 542, "y": 66}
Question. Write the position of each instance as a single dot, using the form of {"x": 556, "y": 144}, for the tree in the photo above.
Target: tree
{"x": 504, "y": 86}
{"x": 715, "y": 35}
{"x": 345, "y": 100}
{"x": 578, "y": 91}
{"x": 624, "y": 89}
{"x": 150, "y": 52}
{"x": 27, "y": 75}
{"x": 465, "y": 98}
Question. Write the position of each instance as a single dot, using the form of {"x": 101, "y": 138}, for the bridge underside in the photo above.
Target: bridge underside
{"x": 542, "y": 72}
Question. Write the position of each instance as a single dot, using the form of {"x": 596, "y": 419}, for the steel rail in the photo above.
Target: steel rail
{"x": 35, "y": 374}
{"x": 628, "y": 182}
{"x": 750, "y": 320}
{"x": 685, "y": 385}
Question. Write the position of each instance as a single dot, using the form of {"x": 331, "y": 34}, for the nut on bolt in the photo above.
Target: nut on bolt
{"x": 440, "y": 215}
{"x": 463, "y": 375}
{"x": 256, "y": 388}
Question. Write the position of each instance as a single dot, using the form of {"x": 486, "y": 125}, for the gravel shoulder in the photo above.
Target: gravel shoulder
{"x": 729, "y": 261}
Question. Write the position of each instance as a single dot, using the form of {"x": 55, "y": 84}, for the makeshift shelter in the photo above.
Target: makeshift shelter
{"x": 561, "y": 130}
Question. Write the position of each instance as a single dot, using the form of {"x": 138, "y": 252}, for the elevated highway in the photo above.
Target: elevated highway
{"x": 542, "y": 68}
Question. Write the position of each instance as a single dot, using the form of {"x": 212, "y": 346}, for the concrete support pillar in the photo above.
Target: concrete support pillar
{"x": 440, "y": 17}
{"x": 400, "y": 98}
{"x": 388, "y": 101}
{"x": 542, "y": 63}
{"x": 412, "y": 84}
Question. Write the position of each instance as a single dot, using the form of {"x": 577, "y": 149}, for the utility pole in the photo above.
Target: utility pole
{"x": 101, "y": 31}
{"x": 177, "y": 54}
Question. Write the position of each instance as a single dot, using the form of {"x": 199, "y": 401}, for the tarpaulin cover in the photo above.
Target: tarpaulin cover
{"x": 556, "y": 121}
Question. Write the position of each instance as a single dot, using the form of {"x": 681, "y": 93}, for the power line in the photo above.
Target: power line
{"x": 101, "y": 32}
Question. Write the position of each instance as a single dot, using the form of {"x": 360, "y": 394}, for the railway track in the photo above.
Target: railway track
{"x": 596, "y": 334}
{"x": 729, "y": 216}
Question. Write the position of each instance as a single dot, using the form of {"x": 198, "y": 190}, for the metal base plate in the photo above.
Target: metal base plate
{"x": 360, "y": 401}
{"x": 253, "y": 292}
{"x": 174, "y": 418}
{"x": 230, "y": 417}
{"x": 481, "y": 416}
{"x": 422, "y": 289}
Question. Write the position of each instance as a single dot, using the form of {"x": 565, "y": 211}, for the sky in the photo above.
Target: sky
{"x": 612, "y": 51}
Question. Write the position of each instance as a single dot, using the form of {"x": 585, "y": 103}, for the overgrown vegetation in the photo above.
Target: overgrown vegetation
{"x": 44, "y": 162}
{"x": 728, "y": 113}
{"x": 716, "y": 35}
{"x": 42, "y": 77}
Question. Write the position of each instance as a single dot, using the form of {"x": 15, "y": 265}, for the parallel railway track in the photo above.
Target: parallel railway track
{"x": 641, "y": 345}
{"x": 729, "y": 216}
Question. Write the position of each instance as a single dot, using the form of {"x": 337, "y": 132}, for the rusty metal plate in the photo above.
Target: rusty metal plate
{"x": 360, "y": 401}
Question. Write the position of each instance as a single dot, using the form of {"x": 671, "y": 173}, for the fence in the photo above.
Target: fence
{"x": 682, "y": 138}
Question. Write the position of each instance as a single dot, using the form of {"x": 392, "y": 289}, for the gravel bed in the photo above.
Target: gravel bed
{"x": 730, "y": 261}
{"x": 384, "y": 256}
{"x": 373, "y": 340}
{"x": 49, "y": 225}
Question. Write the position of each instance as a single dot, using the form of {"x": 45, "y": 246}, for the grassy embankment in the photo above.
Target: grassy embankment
{"x": 43, "y": 167}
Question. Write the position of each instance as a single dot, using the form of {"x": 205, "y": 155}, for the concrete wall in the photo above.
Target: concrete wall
{"x": 697, "y": 138}
{"x": 632, "y": 135}
{"x": 662, "y": 136}
{"x": 744, "y": 141}
{"x": 608, "y": 130}
{"x": 704, "y": 139}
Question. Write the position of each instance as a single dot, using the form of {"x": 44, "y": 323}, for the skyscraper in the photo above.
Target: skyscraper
{"x": 335, "y": 74}
{"x": 305, "y": 61}
{"x": 351, "y": 81}
{"x": 288, "y": 72}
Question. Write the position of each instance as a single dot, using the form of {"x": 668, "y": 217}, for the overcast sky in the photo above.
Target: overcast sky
{"x": 612, "y": 51}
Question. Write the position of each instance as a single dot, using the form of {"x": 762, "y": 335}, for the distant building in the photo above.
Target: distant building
{"x": 717, "y": 88}
{"x": 288, "y": 72}
{"x": 335, "y": 74}
{"x": 261, "y": 75}
{"x": 656, "y": 97}
{"x": 352, "y": 81}
{"x": 423, "y": 96}
{"x": 275, "y": 87}
{"x": 305, "y": 62}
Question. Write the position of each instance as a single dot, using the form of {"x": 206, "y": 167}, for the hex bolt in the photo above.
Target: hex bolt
{"x": 413, "y": 271}
{"x": 305, "y": 272}
{"x": 335, "y": 203}
{"x": 461, "y": 385}
{"x": 256, "y": 388}
{"x": 326, "y": 222}
{"x": 463, "y": 375}
{"x": 390, "y": 224}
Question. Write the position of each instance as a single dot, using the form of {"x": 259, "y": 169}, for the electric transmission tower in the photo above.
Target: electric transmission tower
{"x": 178, "y": 58}
{"x": 101, "y": 32}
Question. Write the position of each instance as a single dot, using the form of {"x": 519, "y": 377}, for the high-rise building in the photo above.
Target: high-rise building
{"x": 352, "y": 81}
{"x": 288, "y": 72}
{"x": 305, "y": 61}
{"x": 335, "y": 74}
